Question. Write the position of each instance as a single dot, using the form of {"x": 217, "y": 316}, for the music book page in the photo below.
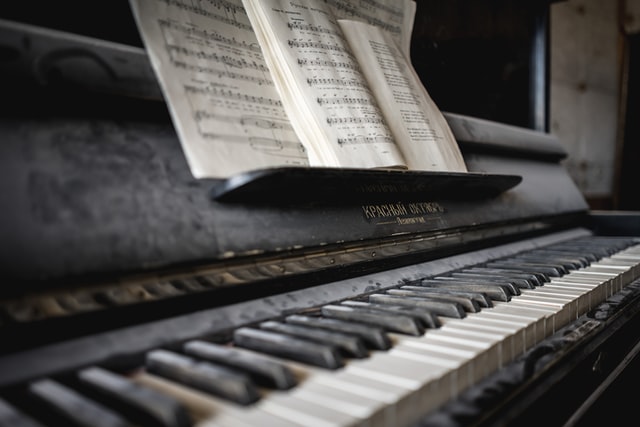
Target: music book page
{"x": 418, "y": 126}
{"x": 223, "y": 103}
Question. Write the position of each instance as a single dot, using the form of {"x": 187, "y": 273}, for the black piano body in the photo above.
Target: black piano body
{"x": 100, "y": 212}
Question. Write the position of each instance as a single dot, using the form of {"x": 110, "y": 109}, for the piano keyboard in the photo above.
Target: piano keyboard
{"x": 381, "y": 359}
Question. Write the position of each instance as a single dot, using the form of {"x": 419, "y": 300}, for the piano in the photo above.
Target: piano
{"x": 134, "y": 294}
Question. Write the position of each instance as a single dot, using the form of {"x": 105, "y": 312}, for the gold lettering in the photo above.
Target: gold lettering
{"x": 400, "y": 211}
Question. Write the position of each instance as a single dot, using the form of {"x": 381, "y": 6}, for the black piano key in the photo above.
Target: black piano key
{"x": 138, "y": 403}
{"x": 534, "y": 279}
{"x": 374, "y": 337}
{"x": 547, "y": 270}
{"x": 73, "y": 407}
{"x": 521, "y": 283}
{"x": 390, "y": 321}
{"x": 512, "y": 289}
{"x": 12, "y": 417}
{"x": 468, "y": 304}
{"x": 427, "y": 318}
{"x": 579, "y": 259}
{"x": 261, "y": 369}
{"x": 563, "y": 266}
{"x": 281, "y": 345}
{"x": 495, "y": 292}
{"x": 350, "y": 345}
{"x": 441, "y": 308}
{"x": 217, "y": 380}
{"x": 483, "y": 300}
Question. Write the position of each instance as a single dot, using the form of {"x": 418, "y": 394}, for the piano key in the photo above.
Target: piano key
{"x": 581, "y": 259}
{"x": 12, "y": 417}
{"x": 469, "y": 305}
{"x": 73, "y": 406}
{"x": 482, "y": 299}
{"x": 141, "y": 404}
{"x": 373, "y": 337}
{"x": 264, "y": 370}
{"x": 563, "y": 265}
{"x": 427, "y": 318}
{"x": 350, "y": 345}
{"x": 429, "y": 382}
{"x": 205, "y": 376}
{"x": 549, "y": 271}
{"x": 495, "y": 292}
{"x": 363, "y": 407}
{"x": 508, "y": 286}
{"x": 206, "y": 409}
{"x": 391, "y": 322}
{"x": 288, "y": 347}
{"x": 535, "y": 279}
{"x": 441, "y": 308}
{"x": 307, "y": 413}
{"x": 519, "y": 282}
{"x": 397, "y": 400}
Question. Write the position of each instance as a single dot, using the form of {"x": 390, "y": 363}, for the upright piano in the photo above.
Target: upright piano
{"x": 134, "y": 294}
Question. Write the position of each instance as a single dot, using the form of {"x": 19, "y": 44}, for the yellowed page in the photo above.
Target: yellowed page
{"x": 394, "y": 17}
{"x": 417, "y": 125}
{"x": 321, "y": 85}
{"x": 222, "y": 99}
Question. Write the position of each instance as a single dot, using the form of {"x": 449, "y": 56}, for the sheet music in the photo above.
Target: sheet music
{"x": 395, "y": 17}
{"x": 220, "y": 93}
{"x": 321, "y": 84}
{"x": 416, "y": 123}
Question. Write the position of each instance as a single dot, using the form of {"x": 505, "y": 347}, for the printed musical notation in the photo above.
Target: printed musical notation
{"x": 330, "y": 81}
{"x": 221, "y": 5}
{"x": 232, "y": 95}
{"x": 345, "y": 100}
{"x": 328, "y": 63}
{"x": 218, "y": 86}
{"x": 314, "y": 44}
{"x": 393, "y": 23}
{"x": 365, "y": 139}
{"x": 208, "y": 35}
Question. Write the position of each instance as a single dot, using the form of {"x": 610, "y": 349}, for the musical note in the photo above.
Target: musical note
{"x": 232, "y": 95}
{"x": 304, "y": 62}
{"x": 222, "y": 73}
{"x": 328, "y": 81}
{"x": 220, "y": 4}
{"x": 208, "y": 35}
{"x": 366, "y": 139}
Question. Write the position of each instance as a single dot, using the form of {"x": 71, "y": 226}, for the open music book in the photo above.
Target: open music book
{"x": 253, "y": 84}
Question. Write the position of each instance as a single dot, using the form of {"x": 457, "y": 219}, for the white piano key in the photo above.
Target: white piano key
{"x": 401, "y": 401}
{"x": 547, "y": 319}
{"x": 397, "y": 400}
{"x": 461, "y": 368}
{"x": 364, "y": 408}
{"x": 432, "y": 384}
{"x": 306, "y": 413}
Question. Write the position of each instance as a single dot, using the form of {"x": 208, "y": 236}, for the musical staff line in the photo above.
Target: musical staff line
{"x": 209, "y": 35}
{"x": 232, "y": 95}
{"x": 303, "y": 62}
{"x": 219, "y": 4}
{"x": 222, "y": 73}
{"x": 213, "y": 56}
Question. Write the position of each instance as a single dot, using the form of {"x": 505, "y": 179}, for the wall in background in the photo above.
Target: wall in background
{"x": 589, "y": 59}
